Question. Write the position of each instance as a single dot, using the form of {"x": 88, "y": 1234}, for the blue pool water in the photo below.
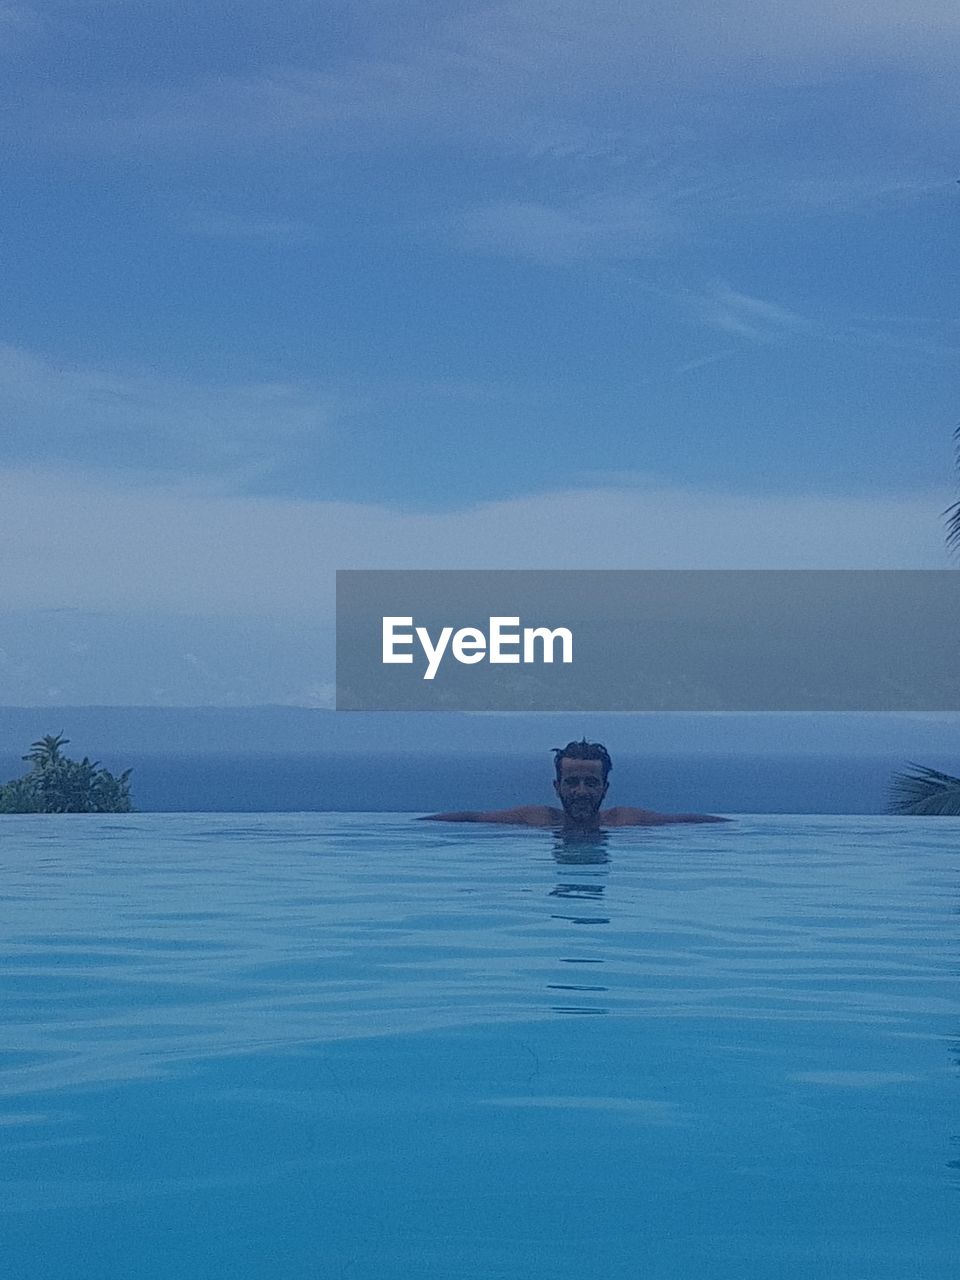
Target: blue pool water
{"x": 358, "y": 1047}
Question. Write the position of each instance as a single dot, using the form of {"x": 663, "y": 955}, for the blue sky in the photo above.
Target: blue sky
{"x": 300, "y": 287}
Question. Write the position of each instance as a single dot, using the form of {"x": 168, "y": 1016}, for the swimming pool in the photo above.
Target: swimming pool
{"x": 317, "y": 1045}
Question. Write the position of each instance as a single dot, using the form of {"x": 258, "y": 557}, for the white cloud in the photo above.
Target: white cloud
{"x": 662, "y": 210}
{"x": 760, "y": 320}
{"x": 701, "y": 362}
{"x": 597, "y": 227}
{"x": 75, "y": 540}
{"x": 738, "y": 313}
{"x": 139, "y": 420}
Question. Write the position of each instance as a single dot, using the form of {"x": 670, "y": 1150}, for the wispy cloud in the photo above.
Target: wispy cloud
{"x": 673, "y": 200}
{"x": 430, "y": 98}
{"x": 617, "y": 119}
{"x": 757, "y": 320}
{"x": 534, "y": 77}
{"x": 140, "y": 421}
{"x": 731, "y": 311}
{"x": 702, "y": 362}
{"x": 836, "y": 192}
{"x": 597, "y": 227}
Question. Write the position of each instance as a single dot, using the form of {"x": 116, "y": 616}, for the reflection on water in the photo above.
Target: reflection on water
{"x": 586, "y": 847}
{"x": 581, "y": 849}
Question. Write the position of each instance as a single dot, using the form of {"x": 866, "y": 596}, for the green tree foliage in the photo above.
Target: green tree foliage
{"x": 57, "y": 784}
{"x": 925, "y": 791}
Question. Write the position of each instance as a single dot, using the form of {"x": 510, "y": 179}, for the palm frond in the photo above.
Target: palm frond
{"x": 953, "y": 527}
{"x": 952, "y": 514}
{"x": 925, "y": 791}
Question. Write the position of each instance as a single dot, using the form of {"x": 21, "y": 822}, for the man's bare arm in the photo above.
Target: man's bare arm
{"x": 527, "y": 815}
{"x": 624, "y": 816}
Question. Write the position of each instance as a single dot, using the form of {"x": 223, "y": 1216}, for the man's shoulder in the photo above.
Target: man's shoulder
{"x": 625, "y": 816}
{"x": 525, "y": 815}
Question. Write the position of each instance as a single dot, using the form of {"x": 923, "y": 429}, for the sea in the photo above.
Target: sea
{"x": 426, "y": 781}
{"x": 328, "y": 1046}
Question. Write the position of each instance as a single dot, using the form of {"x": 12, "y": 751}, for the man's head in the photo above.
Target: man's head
{"x": 581, "y": 781}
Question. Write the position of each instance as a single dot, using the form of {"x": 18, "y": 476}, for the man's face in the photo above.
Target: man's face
{"x": 581, "y": 789}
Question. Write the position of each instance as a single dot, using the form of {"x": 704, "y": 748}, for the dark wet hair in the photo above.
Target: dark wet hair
{"x": 583, "y": 750}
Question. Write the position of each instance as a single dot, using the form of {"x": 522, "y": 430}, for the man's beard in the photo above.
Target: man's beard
{"x": 581, "y": 810}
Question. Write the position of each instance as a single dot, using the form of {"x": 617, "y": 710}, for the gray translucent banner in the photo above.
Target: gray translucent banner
{"x": 648, "y": 640}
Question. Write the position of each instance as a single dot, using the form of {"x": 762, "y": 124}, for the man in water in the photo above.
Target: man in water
{"x": 581, "y": 783}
